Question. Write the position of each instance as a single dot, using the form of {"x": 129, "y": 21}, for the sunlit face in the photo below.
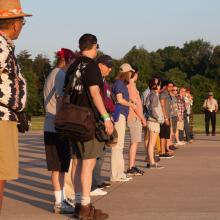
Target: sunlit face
{"x": 95, "y": 49}
{"x": 105, "y": 70}
{"x": 17, "y": 26}
{"x": 135, "y": 77}
{"x": 175, "y": 90}
{"x": 182, "y": 92}
{"x": 170, "y": 87}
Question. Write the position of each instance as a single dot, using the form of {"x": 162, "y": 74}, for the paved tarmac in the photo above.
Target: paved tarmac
{"x": 187, "y": 189}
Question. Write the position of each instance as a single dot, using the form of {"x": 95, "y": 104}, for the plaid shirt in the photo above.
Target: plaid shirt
{"x": 12, "y": 84}
{"x": 181, "y": 106}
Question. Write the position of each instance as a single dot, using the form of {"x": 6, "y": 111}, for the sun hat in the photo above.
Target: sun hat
{"x": 11, "y": 9}
{"x": 125, "y": 67}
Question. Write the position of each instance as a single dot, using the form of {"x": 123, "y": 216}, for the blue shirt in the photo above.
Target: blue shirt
{"x": 120, "y": 87}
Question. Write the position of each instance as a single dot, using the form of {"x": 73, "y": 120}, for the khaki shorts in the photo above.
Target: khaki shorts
{"x": 88, "y": 150}
{"x": 8, "y": 150}
{"x": 135, "y": 128}
{"x": 180, "y": 125}
{"x": 153, "y": 126}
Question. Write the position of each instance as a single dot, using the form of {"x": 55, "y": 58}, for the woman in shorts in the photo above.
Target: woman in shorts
{"x": 154, "y": 120}
{"x": 136, "y": 120}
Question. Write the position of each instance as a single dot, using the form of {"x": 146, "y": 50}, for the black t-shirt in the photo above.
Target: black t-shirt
{"x": 92, "y": 75}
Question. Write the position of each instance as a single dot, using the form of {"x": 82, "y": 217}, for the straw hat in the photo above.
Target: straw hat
{"x": 11, "y": 9}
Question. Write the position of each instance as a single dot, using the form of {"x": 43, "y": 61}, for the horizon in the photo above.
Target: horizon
{"x": 153, "y": 25}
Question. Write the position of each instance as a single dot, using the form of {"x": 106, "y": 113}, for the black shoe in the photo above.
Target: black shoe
{"x": 172, "y": 147}
{"x": 134, "y": 171}
{"x": 138, "y": 170}
{"x": 104, "y": 185}
{"x": 213, "y": 134}
{"x": 166, "y": 155}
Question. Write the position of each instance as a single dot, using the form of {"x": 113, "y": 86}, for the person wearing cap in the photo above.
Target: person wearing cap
{"x": 58, "y": 151}
{"x": 136, "y": 120}
{"x": 120, "y": 90}
{"x": 85, "y": 153}
{"x": 210, "y": 106}
{"x": 13, "y": 92}
{"x": 105, "y": 64}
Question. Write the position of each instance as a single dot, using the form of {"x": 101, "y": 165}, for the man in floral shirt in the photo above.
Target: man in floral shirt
{"x": 12, "y": 90}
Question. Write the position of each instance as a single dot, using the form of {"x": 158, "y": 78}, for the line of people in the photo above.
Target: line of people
{"x": 161, "y": 112}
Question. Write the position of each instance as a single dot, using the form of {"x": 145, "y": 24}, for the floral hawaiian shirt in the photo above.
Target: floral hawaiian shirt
{"x": 12, "y": 84}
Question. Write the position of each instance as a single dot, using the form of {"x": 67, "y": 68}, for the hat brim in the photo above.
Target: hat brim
{"x": 16, "y": 16}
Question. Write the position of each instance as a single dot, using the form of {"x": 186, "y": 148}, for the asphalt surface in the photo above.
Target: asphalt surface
{"x": 188, "y": 188}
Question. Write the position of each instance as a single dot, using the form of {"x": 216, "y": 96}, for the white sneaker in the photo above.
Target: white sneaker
{"x": 63, "y": 208}
{"x": 125, "y": 179}
{"x": 98, "y": 192}
{"x": 180, "y": 143}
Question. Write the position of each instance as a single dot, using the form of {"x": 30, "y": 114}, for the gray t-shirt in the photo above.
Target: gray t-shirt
{"x": 165, "y": 95}
{"x": 174, "y": 106}
{"x": 53, "y": 90}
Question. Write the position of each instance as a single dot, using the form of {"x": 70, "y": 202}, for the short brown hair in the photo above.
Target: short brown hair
{"x": 124, "y": 76}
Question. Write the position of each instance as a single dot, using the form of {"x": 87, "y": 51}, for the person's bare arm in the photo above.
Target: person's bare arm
{"x": 97, "y": 99}
{"x": 124, "y": 102}
{"x": 163, "y": 105}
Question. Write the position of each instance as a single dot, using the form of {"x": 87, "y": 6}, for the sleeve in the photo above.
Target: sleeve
{"x": 59, "y": 83}
{"x": 154, "y": 106}
{"x": 4, "y": 54}
{"x": 162, "y": 96}
{"x": 93, "y": 75}
{"x": 118, "y": 87}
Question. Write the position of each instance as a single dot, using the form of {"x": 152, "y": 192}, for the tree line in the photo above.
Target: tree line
{"x": 195, "y": 66}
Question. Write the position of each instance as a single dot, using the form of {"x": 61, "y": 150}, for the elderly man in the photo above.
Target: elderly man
{"x": 12, "y": 90}
{"x": 211, "y": 107}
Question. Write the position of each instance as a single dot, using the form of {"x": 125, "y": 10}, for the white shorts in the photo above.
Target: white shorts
{"x": 153, "y": 126}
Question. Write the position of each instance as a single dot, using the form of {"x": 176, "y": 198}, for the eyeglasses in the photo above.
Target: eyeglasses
{"x": 175, "y": 90}
{"x": 23, "y": 22}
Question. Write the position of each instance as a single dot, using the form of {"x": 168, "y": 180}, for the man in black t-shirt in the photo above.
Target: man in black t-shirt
{"x": 85, "y": 153}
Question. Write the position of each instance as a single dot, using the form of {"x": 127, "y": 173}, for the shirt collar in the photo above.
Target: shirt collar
{"x": 8, "y": 40}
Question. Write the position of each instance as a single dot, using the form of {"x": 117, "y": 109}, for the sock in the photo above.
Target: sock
{"x": 85, "y": 200}
{"x": 63, "y": 194}
{"x": 78, "y": 198}
{"x": 57, "y": 195}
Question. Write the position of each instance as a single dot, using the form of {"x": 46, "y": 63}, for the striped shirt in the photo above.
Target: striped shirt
{"x": 12, "y": 84}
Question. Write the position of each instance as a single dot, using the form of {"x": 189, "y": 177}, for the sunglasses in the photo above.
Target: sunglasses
{"x": 97, "y": 46}
{"x": 175, "y": 90}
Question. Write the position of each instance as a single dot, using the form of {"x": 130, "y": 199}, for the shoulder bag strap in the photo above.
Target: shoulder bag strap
{"x": 88, "y": 94}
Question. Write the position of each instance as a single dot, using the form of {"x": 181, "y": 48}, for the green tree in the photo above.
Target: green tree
{"x": 201, "y": 85}
{"x": 34, "y": 106}
{"x": 196, "y": 56}
{"x": 178, "y": 77}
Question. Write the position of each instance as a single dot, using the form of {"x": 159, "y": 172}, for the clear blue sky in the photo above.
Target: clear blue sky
{"x": 118, "y": 24}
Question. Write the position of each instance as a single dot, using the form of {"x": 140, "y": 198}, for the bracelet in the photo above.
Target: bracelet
{"x": 107, "y": 119}
{"x": 105, "y": 116}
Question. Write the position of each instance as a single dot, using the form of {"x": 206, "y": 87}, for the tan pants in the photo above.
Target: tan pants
{"x": 117, "y": 158}
{"x": 8, "y": 150}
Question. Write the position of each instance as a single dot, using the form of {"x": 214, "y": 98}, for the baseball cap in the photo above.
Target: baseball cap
{"x": 106, "y": 60}
{"x": 125, "y": 67}
{"x": 210, "y": 93}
